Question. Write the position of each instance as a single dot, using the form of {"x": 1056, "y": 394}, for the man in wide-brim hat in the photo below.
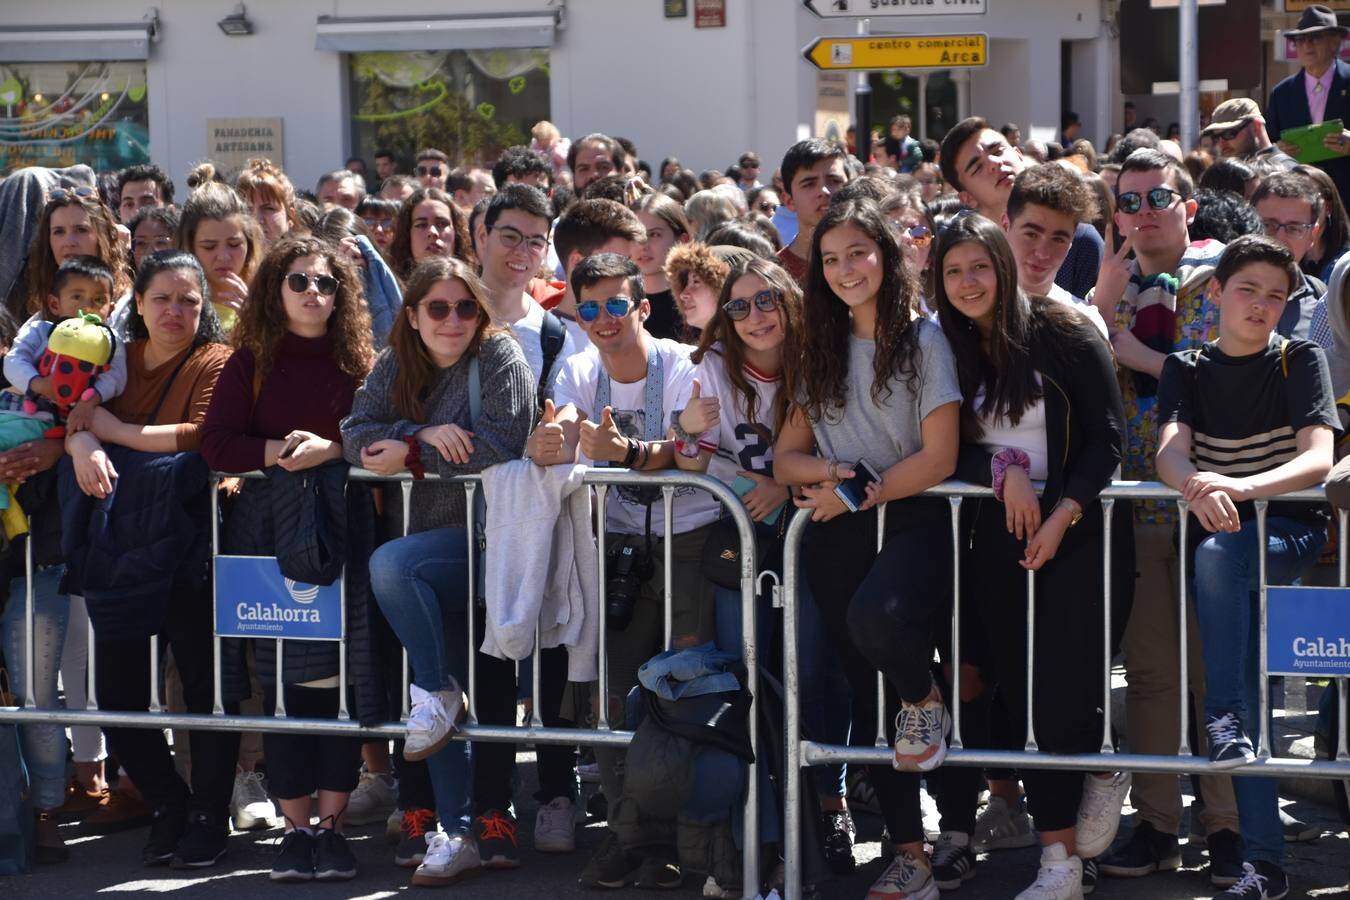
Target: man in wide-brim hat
{"x": 1318, "y": 92}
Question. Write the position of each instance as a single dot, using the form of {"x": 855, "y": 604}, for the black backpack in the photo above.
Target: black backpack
{"x": 552, "y": 336}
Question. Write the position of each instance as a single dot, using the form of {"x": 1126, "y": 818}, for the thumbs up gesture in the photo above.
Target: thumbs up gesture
{"x": 547, "y": 445}
{"x": 602, "y": 441}
{"x": 703, "y": 414}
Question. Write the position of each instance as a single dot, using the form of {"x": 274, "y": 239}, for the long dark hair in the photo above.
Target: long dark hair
{"x": 816, "y": 365}
{"x": 42, "y": 264}
{"x": 720, "y": 336}
{"x": 1006, "y": 371}
{"x": 400, "y": 247}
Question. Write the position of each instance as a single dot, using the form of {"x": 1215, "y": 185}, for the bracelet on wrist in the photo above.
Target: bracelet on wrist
{"x": 413, "y": 461}
{"x": 631, "y": 455}
{"x": 832, "y": 473}
{"x": 680, "y": 433}
{"x": 1001, "y": 462}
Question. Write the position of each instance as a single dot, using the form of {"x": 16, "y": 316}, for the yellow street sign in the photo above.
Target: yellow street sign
{"x": 894, "y": 51}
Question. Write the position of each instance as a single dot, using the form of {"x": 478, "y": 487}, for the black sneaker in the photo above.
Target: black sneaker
{"x": 333, "y": 859}
{"x": 840, "y": 833}
{"x": 1259, "y": 881}
{"x": 610, "y": 867}
{"x": 203, "y": 844}
{"x": 495, "y": 832}
{"x": 657, "y": 873}
{"x": 166, "y": 830}
{"x": 953, "y": 861}
{"x": 1090, "y": 869}
{"x": 1225, "y": 858}
{"x": 412, "y": 841}
{"x": 295, "y": 859}
{"x": 1229, "y": 746}
{"x": 1147, "y": 851}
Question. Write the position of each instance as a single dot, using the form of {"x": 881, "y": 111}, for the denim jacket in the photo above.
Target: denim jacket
{"x": 383, "y": 294}
{"x": 691, "y": 672}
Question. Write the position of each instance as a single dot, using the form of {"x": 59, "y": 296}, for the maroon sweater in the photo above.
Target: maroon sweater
{"x": 304, "y": 391}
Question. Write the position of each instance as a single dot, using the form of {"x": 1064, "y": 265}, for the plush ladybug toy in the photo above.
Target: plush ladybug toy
{"x": 78, "y": 351}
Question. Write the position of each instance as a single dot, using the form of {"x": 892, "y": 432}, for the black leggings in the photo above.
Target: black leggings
{"x": 122, "y": 677}
{"x": 1067, "y": 685}
{"x": 299, "y": 764}
{"x": 879, "y": 611}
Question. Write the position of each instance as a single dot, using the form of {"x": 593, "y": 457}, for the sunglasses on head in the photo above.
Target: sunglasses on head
{"x": 1131, "y": 202}
{"x": 617, "y": 307}
{"x": 738, "y": 308}
{"x": 299, "y": 282}
{"x": 433, "y": 171}
{"x": 69, "y": 193}
{"x": 439, "y": 310}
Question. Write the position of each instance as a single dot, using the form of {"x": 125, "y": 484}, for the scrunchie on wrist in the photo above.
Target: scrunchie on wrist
{"x": 1008, "y": 456}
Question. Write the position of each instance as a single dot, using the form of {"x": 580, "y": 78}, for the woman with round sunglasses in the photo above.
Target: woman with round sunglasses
{"x": 303, "y": 346}
{"x": 1040, "y": 403}
{"x": 413, "y": 414}
{"x": 874, "y": 381}
{"x": 429, "y": 224}
{"x": 696, "y": 272}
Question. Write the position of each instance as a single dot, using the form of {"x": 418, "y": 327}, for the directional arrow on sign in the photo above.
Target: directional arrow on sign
{"x": 898, "y": 51}
{"x": 845, "y": 9}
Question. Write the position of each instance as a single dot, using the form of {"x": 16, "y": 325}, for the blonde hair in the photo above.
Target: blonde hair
{"x": 545, "y": 132}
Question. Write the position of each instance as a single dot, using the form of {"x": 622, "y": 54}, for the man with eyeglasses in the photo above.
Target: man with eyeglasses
{"x": 1318, "y": 92}
{"x": 1289, "y": 205}
{"x": 1155, "y": 304}
{"x": 1239, "y": 132}
{"x": 433, "y": 167}
{"x": 980, "y": 163}
{"x": 614, "y": 408}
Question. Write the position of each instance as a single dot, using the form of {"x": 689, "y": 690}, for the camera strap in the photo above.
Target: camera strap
{"x": 653, "y": 400}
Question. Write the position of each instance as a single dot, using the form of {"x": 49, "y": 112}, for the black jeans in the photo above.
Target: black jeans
{"x": 1067, "y": 661}
{"x": 494, "y": 763}
{"x": 299, "y": 764}
{"x": 123, "y": 679}
{"x": 879, "y": 611}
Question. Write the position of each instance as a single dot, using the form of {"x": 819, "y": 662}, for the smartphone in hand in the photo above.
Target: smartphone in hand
{"x": 286, "y": 451}
{"x": 854, "y": 491}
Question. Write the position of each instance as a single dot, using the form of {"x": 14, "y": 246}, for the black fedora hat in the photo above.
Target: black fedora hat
{"x": 1316, "y": 19}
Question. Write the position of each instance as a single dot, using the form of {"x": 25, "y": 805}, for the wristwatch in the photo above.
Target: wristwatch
{"x": 1075, "y": 516}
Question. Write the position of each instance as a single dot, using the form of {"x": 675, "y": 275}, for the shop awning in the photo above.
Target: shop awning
{"x": 360, "y": 35}
{"x": 73, "y": 43}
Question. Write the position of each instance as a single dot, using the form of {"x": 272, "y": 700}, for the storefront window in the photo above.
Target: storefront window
{"x": 471, "y": 104}
{"x": 60, "y": 114}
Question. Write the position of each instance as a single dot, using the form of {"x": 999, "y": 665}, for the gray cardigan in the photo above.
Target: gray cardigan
{"x": 504, "y": 424}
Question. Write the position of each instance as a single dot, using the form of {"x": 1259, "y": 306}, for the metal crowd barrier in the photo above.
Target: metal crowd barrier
{"x": 803, "y": 753}
{"x": 533, "y": 732}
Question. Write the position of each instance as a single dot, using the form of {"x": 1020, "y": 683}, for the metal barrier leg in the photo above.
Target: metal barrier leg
{"x": 750, "y": 875}
{"x": 1183, "y": 636}
{"x": 955, "y": 505}
{"x": 1263, "y": 680}
{"x": 881, "y": 679}
{"x": 602, "y": 713}
{"x": 472, "y": 606}
{"x": 342, "y": 712}
{"x": 217, "y": 688}
{"x": 155, "y": 705}
{"x": 1108, "y": 507}
{"x": 536, "y": 719}
{"x": 1031, "y": 662}
{"x": 91, "y": 693}
{"x": 29, "y": 637}
{"x": 792, "y": 768}
{"x": 280, "y": 712}
{"x": 667, "y": 519}
{"x": 405, "y": 489}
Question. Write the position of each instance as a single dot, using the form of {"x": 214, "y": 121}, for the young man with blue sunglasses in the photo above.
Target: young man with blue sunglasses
{"x": 614, "y": 407}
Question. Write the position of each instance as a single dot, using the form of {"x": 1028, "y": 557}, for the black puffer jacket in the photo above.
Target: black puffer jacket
{"x": 314, "y": 523}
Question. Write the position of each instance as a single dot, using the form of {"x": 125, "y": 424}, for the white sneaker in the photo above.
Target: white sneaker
{"x": 447, "y": 860}
{"x": 375, "y": 796}
{"x": 1099, "y": 813}
{"x": 1060, "y": 877}
{"x": 906, "y": 878}
{"x": 432, "y": 720}
{"x": 393, "y": 826}
{"x": 555, "y": 826}
{"x": 921, "y": 731}
{"x": 1001, "y": 828}
{"x": 250, "y": 807}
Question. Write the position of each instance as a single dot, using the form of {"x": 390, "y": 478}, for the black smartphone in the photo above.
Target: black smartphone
{"x": 291, "y": 444}
{"x": 854, "y": 491}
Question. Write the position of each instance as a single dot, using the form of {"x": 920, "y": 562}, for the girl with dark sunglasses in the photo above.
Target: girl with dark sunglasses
{"x": 303, "y": 346}
{"x": 413, "y": 415}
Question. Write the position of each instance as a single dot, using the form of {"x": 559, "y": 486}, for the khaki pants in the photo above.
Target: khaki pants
{"x": 1152, "y": 695}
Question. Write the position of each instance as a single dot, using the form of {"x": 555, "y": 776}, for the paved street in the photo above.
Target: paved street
{"x": 107, "y": 867}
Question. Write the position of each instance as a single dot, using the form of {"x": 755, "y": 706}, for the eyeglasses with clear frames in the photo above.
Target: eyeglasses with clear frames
{"x": 512, "y": 238}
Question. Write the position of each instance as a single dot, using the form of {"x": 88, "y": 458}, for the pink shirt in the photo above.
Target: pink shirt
{"x": 1318, "y": 89}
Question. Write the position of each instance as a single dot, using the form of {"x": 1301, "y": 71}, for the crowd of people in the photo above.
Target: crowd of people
{"x": 833, "y": 336}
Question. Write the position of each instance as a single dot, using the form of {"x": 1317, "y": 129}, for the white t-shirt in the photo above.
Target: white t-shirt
{"x": 1087, "y": 309}
{"x": 526, "y": 330}
{"x": 580, "y": 339}
{"x": 738, "y": 443}
{"x": 1028, "y": 434}
{"x": 576, "y": 384}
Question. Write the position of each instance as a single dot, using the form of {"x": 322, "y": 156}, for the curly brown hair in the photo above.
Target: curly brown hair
{"x": 400, "y": 248}
{"x": 416, "y": 369}
{"x": 42, "y": 263}
{"x": 262, "y": 321}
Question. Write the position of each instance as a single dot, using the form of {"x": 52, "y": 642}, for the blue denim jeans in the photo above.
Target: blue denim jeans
{"x": 421, "y": 584}
{"x": 1225, "y": 582}
{"x": 44, "y": 746}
